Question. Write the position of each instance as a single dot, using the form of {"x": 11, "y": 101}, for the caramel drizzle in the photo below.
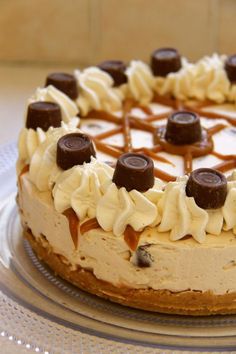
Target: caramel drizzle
{"x": 89, "y": 225}
{"x": 24, "y": 170}
{"x": 73, "y": 221}
{"x": 128, "y": 122}
{"x": 131, "y": 237}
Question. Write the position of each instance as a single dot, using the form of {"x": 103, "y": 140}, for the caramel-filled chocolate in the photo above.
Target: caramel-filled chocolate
{"x": 183, "y": 127}
{"x": 63, "y": 82}
{"x": 208, "y": 187}
{"x": 165, "y": 61}
{"x": 230, "y": 68}
{"x": 74, "y": 149}
{"x": 134, "y": 171}
{"x": 115, "y": 68}
{"x": 43, "y": 115}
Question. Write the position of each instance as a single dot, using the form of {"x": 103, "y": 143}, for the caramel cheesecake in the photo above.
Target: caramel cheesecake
{"x": 127, "y": 182}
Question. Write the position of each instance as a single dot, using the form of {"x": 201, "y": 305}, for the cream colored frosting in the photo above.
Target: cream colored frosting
{"x": 96, "y": 91}
{"x": 178, "y": 84}
{"x": 30, "y": 139}
{"x": 140, "y": 82}
{"x": 210, "y": 80}
{"x": 119, "y": 208}
{"x": 81, "y": 188}
{"x": 203, "y": 80}
{"x": 50, "y": 93}
{"x": 43, "y": 167}
{"x": 176, "y": 266}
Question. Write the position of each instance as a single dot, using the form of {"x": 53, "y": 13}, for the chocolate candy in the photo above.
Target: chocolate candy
{"x": 64, "y": 82}
{"x": 230, "y": 68}
{"x": 134, "y": 171}
{"x": 208, "y": 187}
{"x": 43, "y": 115}
{"x": 116, "y": 69}
{"x": 165, "y": 61}
{"x": 183, "y": 127}
{"x": 143, "y": 257}
{"x": 74, "y": 149}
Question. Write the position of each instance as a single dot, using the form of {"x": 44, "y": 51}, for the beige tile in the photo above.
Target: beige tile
{"x": 45, "y": 30}
{"x": 227, "y": 15}
{"x": 133, "y": 28}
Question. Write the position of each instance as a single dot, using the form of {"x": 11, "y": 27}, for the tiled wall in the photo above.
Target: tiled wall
{"x": 79, "y": 32}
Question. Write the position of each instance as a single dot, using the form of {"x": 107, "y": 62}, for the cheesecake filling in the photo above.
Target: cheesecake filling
{"x": 207, "y": 266}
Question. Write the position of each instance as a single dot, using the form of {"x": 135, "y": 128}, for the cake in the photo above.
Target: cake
{"x": 126, "y": 181}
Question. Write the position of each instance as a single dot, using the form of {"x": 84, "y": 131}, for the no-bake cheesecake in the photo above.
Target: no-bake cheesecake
{"x": 126, "y": 181}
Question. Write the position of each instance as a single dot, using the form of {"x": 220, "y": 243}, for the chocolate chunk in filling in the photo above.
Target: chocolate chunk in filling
{"x": 230, "y": 68}
{"x": 134, "y": 171}
{"x": 143, "y": 257}
{"x": 183, "y": 127}
{"x": 63, "y": 82}
{"x": 165, "y": 61}
{"x": 74, "y": 149}
{"x": 43, "y": 115}
{"x": 116, "y": 69}
{"x": 208, "y": 187}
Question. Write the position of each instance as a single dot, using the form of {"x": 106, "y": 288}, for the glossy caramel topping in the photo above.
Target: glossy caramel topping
{"x": 129, "y": 121}
{"x": 73, "y": 225}
{"x": 89, "y": 225}
{"x": 131, "y": 237}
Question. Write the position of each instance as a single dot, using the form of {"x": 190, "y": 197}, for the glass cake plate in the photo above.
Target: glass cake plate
{"x": 45, "y": 314}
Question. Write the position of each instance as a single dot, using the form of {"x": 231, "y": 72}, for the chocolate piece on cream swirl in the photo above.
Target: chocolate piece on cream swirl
{"x": 69, "y": 110}
{"x": 74, "y": 149}
{"x": 165, "y": 61}
{"x": 63, "y": 82}
{"x": 81, "y": 187}
{"x": 96, "y": 91}
{"x": 183, "y": 127}
{"x": 43, "y": 115}
{"x": 116, "y": 69}
{"x": 208, "y": 187}
{"x": 43, "y": 167}
{"x": 140, "y": 82}
{"x": 134, "y": 171}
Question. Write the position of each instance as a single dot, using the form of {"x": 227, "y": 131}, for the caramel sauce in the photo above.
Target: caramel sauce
{"x": 89, "y": 225}
{"x": 131, "y": 237}
{"x": 73, "y": 225}
{"x": 128, "y": 121}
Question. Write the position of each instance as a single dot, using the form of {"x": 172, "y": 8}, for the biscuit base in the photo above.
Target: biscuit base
{"x": 194, "y": 303}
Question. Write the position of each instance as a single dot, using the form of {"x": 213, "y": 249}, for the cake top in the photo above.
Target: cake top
{"x": 160, "y": 121}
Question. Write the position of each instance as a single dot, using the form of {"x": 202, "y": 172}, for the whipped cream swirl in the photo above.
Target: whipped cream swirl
{"x": 43, "y": 167}
{"x": 96, "y": 91}
{"x": 119, "y": 208}
{"x": 81, "y": 187}
{"x": 140, "y": 82}
{"x": 210, "y": 80}
{"x": 178, "y": 83}
{"x": 30, "y": 139}
{"x": 50, "y": 93}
